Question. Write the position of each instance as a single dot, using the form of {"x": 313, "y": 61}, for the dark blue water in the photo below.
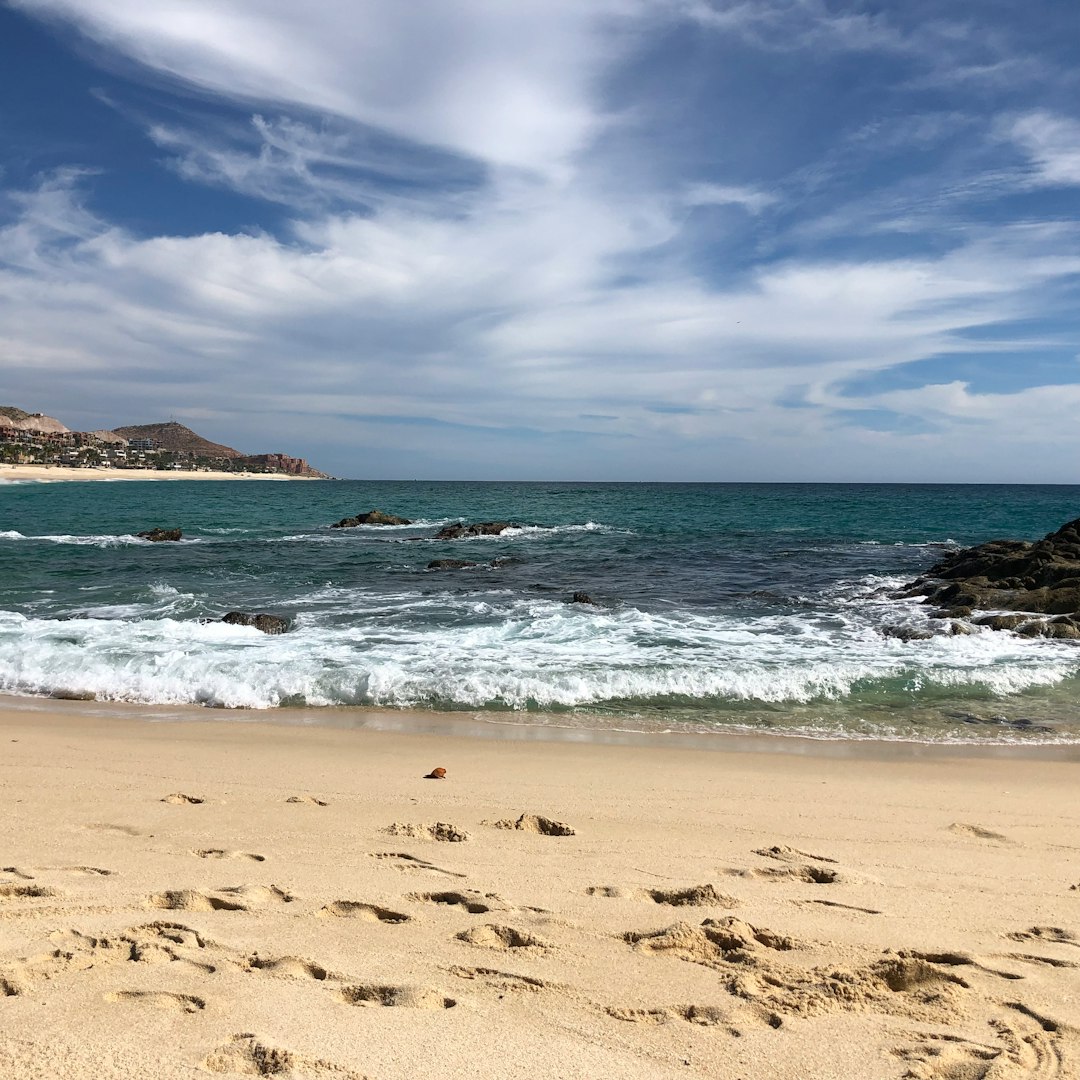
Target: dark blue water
{"x": 734, "y": 606}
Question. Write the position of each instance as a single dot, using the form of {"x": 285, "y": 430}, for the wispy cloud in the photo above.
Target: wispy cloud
{"x": 483, "y": 262}
{"x": 1053, "y": 144}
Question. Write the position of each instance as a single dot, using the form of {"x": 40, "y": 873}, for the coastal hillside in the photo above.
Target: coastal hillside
{"x": 177, "y": 439}
{"x": 36, "y": 439}
{"x": 20, "y": 420}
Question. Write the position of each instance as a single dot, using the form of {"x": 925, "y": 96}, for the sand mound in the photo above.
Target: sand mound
{"x": 491, "y": 936}
{"x": 441, "y": 830}
{"x": 533, "y": 823}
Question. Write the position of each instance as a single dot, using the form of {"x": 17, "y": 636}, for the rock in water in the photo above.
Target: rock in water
{"x": 450, "y": 564}
{"x": 582, "y": 598}
{"x": 372, "y": 517}
{"x": 156, "y": 536}
{"x": 460, "y": 530}
{"x": 1012, "y": 575}
{"x": 268, "y": 624}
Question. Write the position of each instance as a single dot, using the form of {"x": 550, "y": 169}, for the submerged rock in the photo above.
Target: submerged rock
{"x": 450, "y": 564}
{"x": 1041, "y": 578}
{"x": 372, "y": 517}
{"x": 157, "y": 536}
{"x": 460, "y": 530}
{"x": 268, "y": 624}
{"x": 582, "y": 598}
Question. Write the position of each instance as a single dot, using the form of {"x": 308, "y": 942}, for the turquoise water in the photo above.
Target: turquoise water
{"x": 719, "y": 606}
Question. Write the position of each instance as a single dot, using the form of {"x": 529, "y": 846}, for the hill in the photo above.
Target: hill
{"x": 24, "y": 421}
{"x": 179, "y": 439}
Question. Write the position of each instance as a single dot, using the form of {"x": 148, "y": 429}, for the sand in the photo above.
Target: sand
{"x": 217, "y": 898}
{"x": 52, "y": 474}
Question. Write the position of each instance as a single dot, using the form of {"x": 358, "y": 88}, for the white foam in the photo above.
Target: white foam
{"x": 410, "y": 650}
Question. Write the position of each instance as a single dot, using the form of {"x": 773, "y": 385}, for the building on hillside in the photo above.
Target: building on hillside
{"x": 280, "y": 463}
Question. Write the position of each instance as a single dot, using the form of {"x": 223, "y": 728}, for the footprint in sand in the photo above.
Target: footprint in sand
{"x": 956, "y": 959}
{"x": 152, "y": 943}
{"x": 504, "y": 980}
{"x": 837, "y": 904}
{"x": 441, "y": 830}
{"x": 236, "y": 898}
{"x": 491, "y": 936}
{"x": 979, "y": 832}
{"x": 407, "y": 997}
{"x": 401, "y": 860}
{"x": 178, "y": 798}
{"x": 811, "y": 875}
{"x": 940, "y": 1057}
{"x": 1055, "y": 934}
{"x": 288, "y": 967}
{"x": 1028, "y": 1047}
{"x": 688, "y": 896}
{"x": 1046, "y": 961}
{"x": 473, "y": 902}
{"x": 222, "y": 853}
{"x": 248, "y": 1055}
{"x": 307, "y": 800}
{"x": 123, "y": 830}
{"x": 14, "y": 871}
{"x": 190, "y": 900}
{"x": 354, "y": 909}
{"x": 790, "y": 854}
{"x": 90, "y": 871}
{"x": 25, "y": 892}
{"x": 160, "y": 943}
{"x": 533, "y": 823}
{"x": 159, "y": 999}
{"x": 702, "y": 1015}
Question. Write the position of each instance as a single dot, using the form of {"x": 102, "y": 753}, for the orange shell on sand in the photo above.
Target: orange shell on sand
{"x": 436, "y": 774}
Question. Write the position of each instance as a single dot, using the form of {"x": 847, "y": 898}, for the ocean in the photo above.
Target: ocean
{"x": 718, "y": 607}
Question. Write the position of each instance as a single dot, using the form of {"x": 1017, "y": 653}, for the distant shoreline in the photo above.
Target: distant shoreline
{"x": 51, "y": 474}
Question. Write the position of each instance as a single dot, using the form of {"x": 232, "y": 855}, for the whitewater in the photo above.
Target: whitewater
{"x": 716, "y": 607}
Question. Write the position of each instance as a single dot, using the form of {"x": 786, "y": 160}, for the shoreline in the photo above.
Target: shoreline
{"x": 473, "y": 727}
{"x": 54, "y": 474}
{"x": 189, "y": 899}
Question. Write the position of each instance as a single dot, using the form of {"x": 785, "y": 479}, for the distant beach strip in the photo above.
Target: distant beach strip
{"x": 54, "y": 474}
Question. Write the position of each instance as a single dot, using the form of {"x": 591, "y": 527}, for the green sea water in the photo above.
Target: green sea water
{"x": 719, "y": 607}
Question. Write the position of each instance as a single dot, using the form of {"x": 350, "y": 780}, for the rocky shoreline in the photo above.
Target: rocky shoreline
{"x": 1032, "y": 588}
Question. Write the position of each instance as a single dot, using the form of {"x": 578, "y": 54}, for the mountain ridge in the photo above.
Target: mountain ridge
{"x": 179, "y": 439}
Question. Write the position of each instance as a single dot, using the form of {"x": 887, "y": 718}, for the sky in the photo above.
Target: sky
{"x": 686, "y": 240}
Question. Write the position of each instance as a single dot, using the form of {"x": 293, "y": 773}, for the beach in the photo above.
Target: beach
{"x": 54, "y": 474}
{"x": 204, "y": 896}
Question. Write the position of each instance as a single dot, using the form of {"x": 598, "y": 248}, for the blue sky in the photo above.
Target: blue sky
{"x": 627, "y": 239}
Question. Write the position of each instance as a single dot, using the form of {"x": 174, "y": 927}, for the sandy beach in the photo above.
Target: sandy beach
{"x": 184, "y": 899}
{"x": 52, "y": 474}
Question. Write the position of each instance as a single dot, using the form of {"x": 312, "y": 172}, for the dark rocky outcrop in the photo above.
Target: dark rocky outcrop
{"x": 157, "y": 536}
{"x": 450, "y": 564}
{"x": 1041, "y": 578}
{"x": 582, "y": 598}
{"x": 268, "y": 624}
{"x": 372, "y": 517}
{"x": 459, "y": 530}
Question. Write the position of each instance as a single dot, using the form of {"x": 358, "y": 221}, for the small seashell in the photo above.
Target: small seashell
{"x": 436, "y": 774}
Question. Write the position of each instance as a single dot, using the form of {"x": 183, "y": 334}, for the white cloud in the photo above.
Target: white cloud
{"x": 501, "y": 317}
{"x": 537, "y": 285}
{"x": 1053, "y": 144}
{"x": 509, "y": 84}
{"x": 751, "y": 199}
